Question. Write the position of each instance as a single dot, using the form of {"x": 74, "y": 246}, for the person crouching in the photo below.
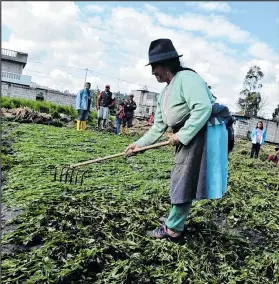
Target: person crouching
{"x": 274, "y": 158}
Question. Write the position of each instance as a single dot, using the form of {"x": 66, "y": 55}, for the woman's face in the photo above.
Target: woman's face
{"x": 160, "y": 73}
{"x": 260, "y": 125}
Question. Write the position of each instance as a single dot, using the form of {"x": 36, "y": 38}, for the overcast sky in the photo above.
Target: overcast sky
{"x": 220, "y": 40}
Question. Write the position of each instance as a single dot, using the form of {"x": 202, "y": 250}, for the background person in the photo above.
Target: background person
{"x": 258, "y": 137}
{"x": 119, "y": 119}
{"x": 274, "y": 158}
{"x": 129, "y": 108}
{"x": 104, "y": 103}
{"x": 84, "y": 106}
{"x": 150, "y": 119}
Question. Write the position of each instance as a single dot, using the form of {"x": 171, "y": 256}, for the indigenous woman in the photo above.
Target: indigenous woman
{"x": 185, "y": 105}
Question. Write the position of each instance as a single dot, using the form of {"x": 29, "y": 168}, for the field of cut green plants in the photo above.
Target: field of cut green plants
{"x": 95, "y": 233}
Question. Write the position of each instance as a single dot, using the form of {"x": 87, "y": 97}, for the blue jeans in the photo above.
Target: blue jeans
{"x": 118, "y": 122}
{"x": 83, "y": 114}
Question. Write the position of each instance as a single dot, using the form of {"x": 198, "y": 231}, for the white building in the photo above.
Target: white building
{"x": 16, "y": 85}
{"x": 146, "y": 102}
{"x": 12, "y": 65}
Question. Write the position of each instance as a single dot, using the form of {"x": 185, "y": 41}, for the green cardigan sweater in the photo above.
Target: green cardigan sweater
{"x": 187, "y": 94}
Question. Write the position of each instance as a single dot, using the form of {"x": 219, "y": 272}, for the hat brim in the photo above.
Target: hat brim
{"x": 159, "y": 61}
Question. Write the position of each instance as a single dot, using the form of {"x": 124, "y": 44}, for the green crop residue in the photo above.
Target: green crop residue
{"x": 95, "y": 233}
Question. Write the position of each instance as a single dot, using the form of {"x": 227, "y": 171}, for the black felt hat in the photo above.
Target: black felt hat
{"x": 277, "y": 148}
{"x": 161, "y": 50}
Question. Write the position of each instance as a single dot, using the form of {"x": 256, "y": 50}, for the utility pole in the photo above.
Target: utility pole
{"x": 85, "y": 75}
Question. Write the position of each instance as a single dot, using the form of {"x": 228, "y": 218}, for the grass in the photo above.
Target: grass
{"x": 95, "y": 233}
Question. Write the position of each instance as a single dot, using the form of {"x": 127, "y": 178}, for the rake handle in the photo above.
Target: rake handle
{"x": 157, "y": 145}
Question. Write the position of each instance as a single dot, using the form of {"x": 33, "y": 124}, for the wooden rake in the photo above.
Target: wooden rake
{"x": 71, "y": 173}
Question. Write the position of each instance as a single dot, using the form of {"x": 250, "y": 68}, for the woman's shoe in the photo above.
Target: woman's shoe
{"x": 162, "y": 233}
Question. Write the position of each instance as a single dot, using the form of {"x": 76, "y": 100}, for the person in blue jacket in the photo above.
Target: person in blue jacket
{"x": 84, "y": 102}
{"x": 258, "y": 137}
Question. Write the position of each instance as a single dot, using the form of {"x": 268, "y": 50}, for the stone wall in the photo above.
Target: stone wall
{"x": 244, "y": 127}
{"x": 25, "y": 92}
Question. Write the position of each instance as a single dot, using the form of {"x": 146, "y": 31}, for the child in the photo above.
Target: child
{"x": 119, "y": 119}
{"x": 258, "y": 137}
{"x": 150, "y": 119}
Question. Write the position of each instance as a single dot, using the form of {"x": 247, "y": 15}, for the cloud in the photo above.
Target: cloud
{"x": 115, "y": 45}
{"x": 95, "y": 8}
{"x": 215, "y": 6}
{"x": 261, "y": 50}
{"x": 212, "y": 26}
{"x": 150, "y": 8}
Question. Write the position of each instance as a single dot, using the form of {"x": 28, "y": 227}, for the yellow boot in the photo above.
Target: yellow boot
{"x": 127, "y": 130}
{"x": 78, "y": 125}
{"x": 83, "y": 125}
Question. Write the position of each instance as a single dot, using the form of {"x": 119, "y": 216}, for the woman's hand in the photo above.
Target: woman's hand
{"x": 174, "y": 140}
{"x": 129, "y": 150}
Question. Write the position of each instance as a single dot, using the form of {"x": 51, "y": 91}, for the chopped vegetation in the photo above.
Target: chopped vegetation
{"x": 45, "y": 107}
{"x": 95, "y": 233}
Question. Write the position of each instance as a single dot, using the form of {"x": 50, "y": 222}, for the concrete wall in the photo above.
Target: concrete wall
{"x": 244, "y": 127}
{"x": 12, "y": 67}
{"x": 24, "y": 92}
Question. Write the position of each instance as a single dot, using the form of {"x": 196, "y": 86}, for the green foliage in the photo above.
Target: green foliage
{"x": 95, "y": 233}
{"x": 250, "y": 98}
{"x": 40, "y": 106}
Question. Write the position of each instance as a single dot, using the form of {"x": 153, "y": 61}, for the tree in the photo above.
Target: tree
{"x": 275, "y": 114}
{"x": 145, "y": 88}
{"x": 262, "y": 105}
{"x": 250, "y": 98}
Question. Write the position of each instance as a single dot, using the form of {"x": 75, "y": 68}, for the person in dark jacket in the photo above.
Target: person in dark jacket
{"x": 104, "y": 103}
{"x": 129, "y": 108}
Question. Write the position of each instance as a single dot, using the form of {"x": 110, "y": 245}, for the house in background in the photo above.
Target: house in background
{"x": 146, "y": 102}
{"x": 12, "y": 65}
{"x": 16, "y": 85}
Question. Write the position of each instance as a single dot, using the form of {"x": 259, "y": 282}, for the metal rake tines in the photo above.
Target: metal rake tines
{"x": 70, "y": 174}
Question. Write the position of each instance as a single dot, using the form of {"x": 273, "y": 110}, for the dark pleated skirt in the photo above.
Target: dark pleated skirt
{"x": 188, "y": 179}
